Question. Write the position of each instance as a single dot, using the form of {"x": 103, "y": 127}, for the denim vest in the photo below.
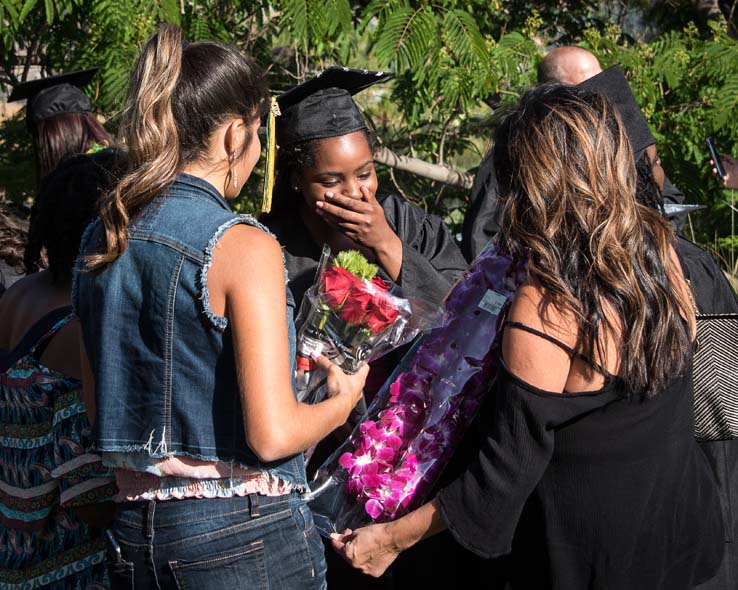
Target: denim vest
{"x": 163, "y": 362}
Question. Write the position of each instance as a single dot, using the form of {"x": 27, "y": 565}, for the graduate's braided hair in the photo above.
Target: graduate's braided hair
{"x": 177, "y": 97}
{"x": 647, "y": 190}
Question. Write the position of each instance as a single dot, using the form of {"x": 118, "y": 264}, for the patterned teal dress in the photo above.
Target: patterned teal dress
{"x": 45, "y": 472}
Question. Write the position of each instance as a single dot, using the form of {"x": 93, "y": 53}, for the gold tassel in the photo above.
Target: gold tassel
{"x": 271, "y": 150}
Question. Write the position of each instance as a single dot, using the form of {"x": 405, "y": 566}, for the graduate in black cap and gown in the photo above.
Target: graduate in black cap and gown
{"x": 326, "y": 192}
{"x": 480, "y": 222}
{"x": 60, "y": 118}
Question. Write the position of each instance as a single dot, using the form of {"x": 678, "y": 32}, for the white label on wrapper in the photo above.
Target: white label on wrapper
{"x": 310, "y": 347}
{"x": 492, "y": 302}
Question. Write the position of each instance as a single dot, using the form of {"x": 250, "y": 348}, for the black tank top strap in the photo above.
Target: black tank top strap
{"x": 568, "y": 349}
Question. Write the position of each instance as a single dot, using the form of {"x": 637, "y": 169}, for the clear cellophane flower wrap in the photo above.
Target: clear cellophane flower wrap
{"x": 352, "y": 316}
{"x": 392, "y": 459}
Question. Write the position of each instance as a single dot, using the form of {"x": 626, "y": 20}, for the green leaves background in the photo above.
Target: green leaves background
{"x": 458, "y": 64}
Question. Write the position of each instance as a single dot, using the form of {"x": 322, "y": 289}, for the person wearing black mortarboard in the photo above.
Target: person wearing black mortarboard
{"x": 712, "y": 293}
{"x": 59, "y": 116}
{"x": 326, "y": 192}
{"x": 565, "y": 65}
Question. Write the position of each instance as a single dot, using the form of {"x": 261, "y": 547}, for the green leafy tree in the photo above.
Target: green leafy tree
{"x": 458, "y": 65}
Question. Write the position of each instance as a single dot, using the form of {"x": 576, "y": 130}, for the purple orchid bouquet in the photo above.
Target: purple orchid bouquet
{"x": 393, "y": 458}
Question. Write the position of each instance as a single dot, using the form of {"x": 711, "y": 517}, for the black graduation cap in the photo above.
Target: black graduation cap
{"x": 54, "y": 95}
{"x": 612, "y": 84}
{"x": 322, "y": 107}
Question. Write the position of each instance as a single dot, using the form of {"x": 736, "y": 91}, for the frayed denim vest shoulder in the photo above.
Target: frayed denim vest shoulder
{"x": 163, "y": 362}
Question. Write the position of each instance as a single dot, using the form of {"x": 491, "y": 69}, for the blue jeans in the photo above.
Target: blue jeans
{"x": 256, "y": 542}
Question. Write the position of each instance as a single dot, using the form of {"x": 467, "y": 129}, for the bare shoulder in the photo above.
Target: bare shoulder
{"x": 244, "y": 255}
{"x": 246, "y": 243}
{"x": 62, "y": 353}
{"x": 22, "y": 304}
{"x": 19, "y": 291}
{"x": 529, "y": 307}
{"x": 531, "y": 357}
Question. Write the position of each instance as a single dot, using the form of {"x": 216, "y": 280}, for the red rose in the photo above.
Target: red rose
{"x": 337, "y": 282}
{"x": 380, "y": 284}
{"x": 356, "y": 305}
{"x": 382, "y": 313}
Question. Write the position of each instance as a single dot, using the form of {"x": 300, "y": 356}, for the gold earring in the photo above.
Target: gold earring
{"x": 235, "y": 170}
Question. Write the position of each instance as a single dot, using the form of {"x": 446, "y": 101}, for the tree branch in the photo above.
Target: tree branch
{"x": 731, "y": 22}
{"x": 424, "y": 169}
{"x": 397, "y": 185}
{"x": 31, "y": 52}
{"x": 442, "y": 143}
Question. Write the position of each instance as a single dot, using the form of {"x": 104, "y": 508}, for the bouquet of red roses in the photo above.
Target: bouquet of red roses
{"x": 352, "y": 316}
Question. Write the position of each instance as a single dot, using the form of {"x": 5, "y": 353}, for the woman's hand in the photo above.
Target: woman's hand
{"x": 338, "y": 383}
{"x": 369, "y": 549}
{"x": 372, "y": 549}
{"x": 730, "y": 165}
{"x": 363, "y": 221}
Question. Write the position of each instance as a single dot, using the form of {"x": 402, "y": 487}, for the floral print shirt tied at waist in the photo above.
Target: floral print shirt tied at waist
{"x": 142, "y": 478}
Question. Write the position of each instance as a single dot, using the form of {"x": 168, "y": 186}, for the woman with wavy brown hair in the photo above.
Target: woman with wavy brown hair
{"x": 587, "y": 472}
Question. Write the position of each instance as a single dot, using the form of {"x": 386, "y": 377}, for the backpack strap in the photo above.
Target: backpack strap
{"x": 37, "y": 337}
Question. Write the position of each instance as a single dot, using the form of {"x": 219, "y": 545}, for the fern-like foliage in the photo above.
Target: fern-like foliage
{"x": 464, "y": 39}
{"x": 440, "y": 44}
{"x": 314, "y": 23}
{"x": 408, "y": 38}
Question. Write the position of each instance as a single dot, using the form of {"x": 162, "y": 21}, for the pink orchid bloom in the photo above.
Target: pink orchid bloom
{"x": 374, "y": 509}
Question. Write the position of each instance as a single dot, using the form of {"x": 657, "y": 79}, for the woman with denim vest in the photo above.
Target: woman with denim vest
{"x": 189, "y": 341}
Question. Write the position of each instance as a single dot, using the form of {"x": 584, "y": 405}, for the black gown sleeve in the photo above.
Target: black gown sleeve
{"x": 480, "y": 222}
{"x": 483, "y": 505}
{"x": 712, "y": 291}
{"x": 431, "y": 260}
{"x": 714, "y": 295}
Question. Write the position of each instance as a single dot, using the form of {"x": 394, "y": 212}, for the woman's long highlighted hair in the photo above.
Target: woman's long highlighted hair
{"x": 177, "y": 97}
{"x": 568, "y": 190}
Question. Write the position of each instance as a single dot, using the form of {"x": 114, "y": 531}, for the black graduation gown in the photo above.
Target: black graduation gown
{"x": 713, "y": 294}
{"x": 480, "y": 223}
{"x": 431, "y": 261}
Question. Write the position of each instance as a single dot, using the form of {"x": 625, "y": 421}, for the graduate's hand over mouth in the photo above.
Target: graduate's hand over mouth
{"x": 362, "y": 219}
